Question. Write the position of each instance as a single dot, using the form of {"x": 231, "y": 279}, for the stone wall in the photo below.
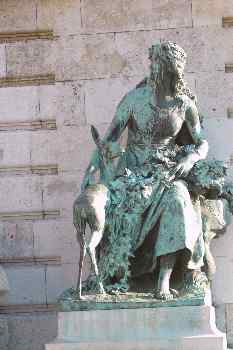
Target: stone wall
{"x": 65, "y": 64}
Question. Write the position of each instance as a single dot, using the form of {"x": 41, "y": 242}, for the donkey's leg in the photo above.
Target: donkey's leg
{"x": 83, "y": 249}
{"x": 94, "y": 242}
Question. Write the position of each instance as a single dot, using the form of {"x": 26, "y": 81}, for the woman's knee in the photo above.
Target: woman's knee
{"x": 179, "y": 189}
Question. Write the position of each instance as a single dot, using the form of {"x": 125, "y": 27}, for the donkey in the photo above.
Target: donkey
{"x": 89, "y": 207}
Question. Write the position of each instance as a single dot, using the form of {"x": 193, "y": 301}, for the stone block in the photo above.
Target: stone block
{"x": 45, "y": 147}
{"x": 31, "y": 331}
{"x": 222, "y": 284}
{"x": 229, "y": 324}
{"x": 57, "y": 238}
{"x": 17, "y": 15}
{"x": 201, "y": 45}
{"x": 103, "y": 16}
{"x": 221, "y": 247}
{"x": 220, "y": 146}
{"x": 137, "y": 324}
{"x": 99, "y": 56}
{"x": 133, "y": 48}
{"x": 203, "y": 342}
{"x": 64, "y": 17}
{"x": 227, "y": 8}
{"x": 65, "y": 147}
{"x": 207, "y": 13}
{"x": 20, "y": 193}
{"x": 60, "y": 191}
{"x": 60, "y": 278}
{"x": 16, "y": 239}
{"x": 4, "y": 336}
{"x": 15, "y": 148}
{"x": 65, "y": 101}
{"x": 18, "y": 103}
{"x": 87, "y": 57}
{"x": 171, "y": 14}
{"x": 30, "y": 58}
{"x": 214, "y": 93}
{"x": 98, "y": 109}
{"x": 191, "y": 81}
{"x": 27, "y": 284}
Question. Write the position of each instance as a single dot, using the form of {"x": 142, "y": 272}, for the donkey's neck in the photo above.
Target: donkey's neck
{"x": 107, "y": 172}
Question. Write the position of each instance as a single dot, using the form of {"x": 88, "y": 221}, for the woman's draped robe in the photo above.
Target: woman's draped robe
{"x": 143, "y": 201}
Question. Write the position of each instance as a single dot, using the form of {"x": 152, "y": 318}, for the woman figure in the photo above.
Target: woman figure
{"x": 150, "y": 191}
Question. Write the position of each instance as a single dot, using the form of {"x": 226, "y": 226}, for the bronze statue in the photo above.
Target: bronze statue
{"x": 153, "y": 211}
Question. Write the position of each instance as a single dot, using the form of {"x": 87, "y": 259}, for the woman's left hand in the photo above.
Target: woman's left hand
{"x": 183, "y": 168}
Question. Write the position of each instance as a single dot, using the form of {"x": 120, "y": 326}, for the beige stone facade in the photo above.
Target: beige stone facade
{"x": 65, "y": 64}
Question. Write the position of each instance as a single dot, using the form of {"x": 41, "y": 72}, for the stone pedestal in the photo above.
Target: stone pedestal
{"x": 156, "y": 328}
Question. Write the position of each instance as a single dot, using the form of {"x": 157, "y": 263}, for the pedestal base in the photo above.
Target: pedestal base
{"x": 161, "y": 328}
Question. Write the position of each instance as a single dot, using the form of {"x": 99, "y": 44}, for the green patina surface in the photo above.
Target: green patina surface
{"x": 69, "y": 301}
{"x": 159, "y": 190}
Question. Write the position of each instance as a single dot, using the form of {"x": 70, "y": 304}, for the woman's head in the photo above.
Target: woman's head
{"x": 168, "y": 58}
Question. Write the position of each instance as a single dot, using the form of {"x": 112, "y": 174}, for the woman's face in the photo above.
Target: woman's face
{"x": 176, "y": 66}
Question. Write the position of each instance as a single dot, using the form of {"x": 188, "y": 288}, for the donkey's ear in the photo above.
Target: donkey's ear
{"x": 95, "y": 136}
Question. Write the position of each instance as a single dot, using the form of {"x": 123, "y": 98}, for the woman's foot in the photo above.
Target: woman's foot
{"x": 163, "y": 295}
{"x": 166, "y": 295}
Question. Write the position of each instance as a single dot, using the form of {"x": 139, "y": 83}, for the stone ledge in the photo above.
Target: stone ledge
{"x": 30, "y": 215}
{"x": 32, "y": 260}
{"x": 227, "y": 22}
{"x": 27, "y": 308}
{"x": 33, "y": 125}
{"x": 27, "y": 80}
{"x": 229, "y": 68}
{"x": 230, "y": 113}
{"x": 50, "y": 169}
{"x": 67, "y": 302}
{"x": 28, "y": 35}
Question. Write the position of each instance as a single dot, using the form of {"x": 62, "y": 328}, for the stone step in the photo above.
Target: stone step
{"x": 204, "y": 342}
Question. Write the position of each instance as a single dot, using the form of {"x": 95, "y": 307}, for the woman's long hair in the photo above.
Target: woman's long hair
{"x": 165, "y": 53}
